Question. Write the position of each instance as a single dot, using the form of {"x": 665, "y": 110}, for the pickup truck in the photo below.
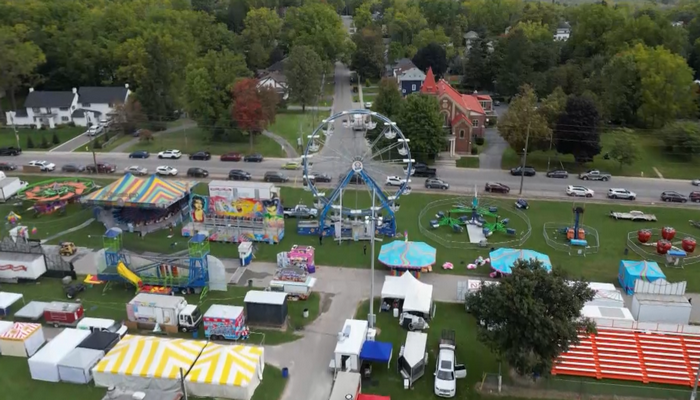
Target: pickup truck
{"x": 300, "y": 211}
{"x": 447, "y": 371}
{"x": 100, "y": 168}
{"x": 421, "y": 170}
{"x": 595, "y": 175}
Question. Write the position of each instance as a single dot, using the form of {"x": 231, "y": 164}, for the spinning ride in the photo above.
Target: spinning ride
{"x": 366, "y": 148}
{"x": 579, "y": 238}
{"x": 673, "y": 248}
{"x": 54, "y": 195}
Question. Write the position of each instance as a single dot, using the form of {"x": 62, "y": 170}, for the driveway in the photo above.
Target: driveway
{"x": 76, "y": 143}
{"x": 492, "y": 154}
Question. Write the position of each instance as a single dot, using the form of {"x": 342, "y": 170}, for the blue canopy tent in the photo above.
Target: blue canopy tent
{"x": 379, "y": 352}
{"x": 631, "y": 271}
{"x": 502, "y": 260}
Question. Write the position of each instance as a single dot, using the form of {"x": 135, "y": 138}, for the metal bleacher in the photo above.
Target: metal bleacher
{"x": 643, "y": 356}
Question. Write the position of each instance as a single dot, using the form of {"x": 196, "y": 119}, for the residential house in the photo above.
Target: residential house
{"x": 464, "y": 115}
{"x": 677, "y": 24}
{"x": 410, "y": 81}
{"x": 470, "y": 39}
{"x": 273, "y": 77}
{"x": 45, "y": 108}
{"x": 402, "y": 65}
{"x": 563, "y": 32}
{"x": 97, "y": 102}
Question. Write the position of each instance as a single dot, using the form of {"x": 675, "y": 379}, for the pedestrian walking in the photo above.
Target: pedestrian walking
{"x": 364, "y": 249}
{"x": 320, "y": 240}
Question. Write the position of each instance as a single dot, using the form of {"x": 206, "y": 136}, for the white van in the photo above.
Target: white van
{"x": 102, "y": 324}
{"x": 301, "y": 290}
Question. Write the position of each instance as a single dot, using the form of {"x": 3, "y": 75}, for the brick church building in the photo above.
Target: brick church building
{"x": 465, "y": 115}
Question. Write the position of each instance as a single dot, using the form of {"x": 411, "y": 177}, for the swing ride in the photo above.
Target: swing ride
{"x": 576, "y": 237}
{"x": 365, "y": 148}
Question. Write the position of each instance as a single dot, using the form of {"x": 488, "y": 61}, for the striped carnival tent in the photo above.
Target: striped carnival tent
{"x": 147, "y": 362}
{"x": 227, "y": 372}
{"x": 131, "y": 191}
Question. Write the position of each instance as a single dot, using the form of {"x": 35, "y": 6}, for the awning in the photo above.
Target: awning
{"x": 363, "y": 396}
{"x": 379, "y": 352}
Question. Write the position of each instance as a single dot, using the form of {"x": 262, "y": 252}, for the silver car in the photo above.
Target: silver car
{"x": 72, "y": 168}
{"x": 136, "y": 170}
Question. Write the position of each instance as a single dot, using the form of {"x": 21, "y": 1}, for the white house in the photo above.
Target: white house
{"x": 45, "y": 108}
{"x": 563, "y": 32}
{"x": 82, "y": 107}
{"x": 277, "y": 81}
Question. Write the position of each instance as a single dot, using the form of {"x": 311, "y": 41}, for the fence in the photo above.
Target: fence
{"x": 558, "y": 388}
{"x": 557, "y": 239}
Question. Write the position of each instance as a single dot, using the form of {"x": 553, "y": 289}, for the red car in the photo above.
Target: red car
{"x": 495, "y": 187}
{"x": 231, "y": 157}
{"x": 694, "y": 197}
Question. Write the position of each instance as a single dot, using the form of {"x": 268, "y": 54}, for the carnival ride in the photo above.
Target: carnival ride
{"x": 661, "y": 245}
{"x": 575, "y": 238}
{"x": 54, "y": 195}
{"x": 365, "y": 150}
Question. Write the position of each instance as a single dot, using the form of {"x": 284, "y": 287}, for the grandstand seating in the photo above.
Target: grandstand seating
{"x": 649, "y": 357}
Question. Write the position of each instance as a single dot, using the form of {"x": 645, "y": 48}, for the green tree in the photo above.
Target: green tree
{"x": 368, "y": 58}
{"x": 19, "y": 61}
{"x": 576, "y": 131}
{"x": 55, "y": 140}
{"x": 681, "y": 138}
{"x": 396, "y": 52}
{"x": 318, "y": 26}
{"x": 542, "y": 321}
{"x": 593, "y": 25}
{"x": 363, "y": 16}
{"x": 157, "y": 90}
{"x": 492, "y": 16}
{"x": 262, "y": 30}
{"x": 404, "y": 21}
{"x": 388, "y": 101}
{"x": 304, "y": 69}
{"x": 45, "y": 143}
{"x": 432, "y": 56}
{"x": 478, "y": 71}
{"x": 421, "y": 123}
{"x": 552, "y": 106}
{"x": 622, "y": 96}
{"x": 30, "y": 142}
{"x": 522, "y": 120}
{"x": 513, "y": 62}
{"x": 437, "y": 36}
{"x": 624, "y": 149}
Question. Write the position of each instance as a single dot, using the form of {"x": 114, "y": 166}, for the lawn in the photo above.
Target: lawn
{"x": 651, "y": 155}
{"x": 112, "y": 145}
{"x": 196, "y": 139}
{"x": 294, "y": 124}
{"x": 468, "y": 162}
{"x": 64, "y": 134}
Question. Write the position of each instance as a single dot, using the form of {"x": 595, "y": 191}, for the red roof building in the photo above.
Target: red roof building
{"x": 465, "y": 115}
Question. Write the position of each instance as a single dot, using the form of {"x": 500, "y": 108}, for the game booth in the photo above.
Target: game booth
{"x": 237, "y": 212}
{"x": 502, "y": 260}
{"x": 405, "y": 293}
{"x": 631, "y": 271}
{"x": 77, "y": 366}
{"x": 21, "y": 340}
{"x": 44, "y": 365}
{"x": 405, "y": 256}
{"x": 226, "y": 372}
{"x": 141, "y": 204}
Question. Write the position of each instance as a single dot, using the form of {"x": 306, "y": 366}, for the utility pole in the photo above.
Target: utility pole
{"x": 522, "y": 169}
{"x": 371, "y": 285}
{"x": 549, "y": 157}
{"x": 14, "y": 127}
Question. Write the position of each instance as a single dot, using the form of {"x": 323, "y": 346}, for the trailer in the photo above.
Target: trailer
{"x": 659, "y": 308}
{"x": 169, "y": 313}
{"x": 59, "y": 313}
{"x": 233, "y": 190}
{"x": 102, "y": 325}
{"x": 300, "y": 290}
{"x": 223, "y": 322}
{"x": 8, "y": 187}
{"x": 16, "y": 267}
{"x": 633, "y": 216}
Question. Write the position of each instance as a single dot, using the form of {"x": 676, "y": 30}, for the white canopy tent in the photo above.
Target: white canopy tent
{"x": 420, "y": 299}
{"x": 43, "y": 366}
{"x": 76, "y": 367}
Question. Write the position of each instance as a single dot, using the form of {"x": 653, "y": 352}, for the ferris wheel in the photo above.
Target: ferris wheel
{"x": 357, "y": 149}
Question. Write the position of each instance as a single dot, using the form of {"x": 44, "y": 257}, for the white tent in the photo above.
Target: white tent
{"x": 5, "y": 326}
{"x": 396, "y": 287}
{"x": 76, "y": 367}
{"x": 43, "y": 366}
{"x": 420, "y": 299}
{"x": 21, "y": 340}
{"x": 226, "y": 371}
{"x": 147, "y": 362}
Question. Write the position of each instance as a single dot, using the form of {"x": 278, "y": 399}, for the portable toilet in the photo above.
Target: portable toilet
{"x": 245, "y": 253}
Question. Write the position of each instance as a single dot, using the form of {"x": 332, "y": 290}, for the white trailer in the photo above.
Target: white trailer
{"x": 155, "y": 309}
{"x": 233, "y": 190}
{"x": 21, "y": 266}
{"x": 659, "y": 308}
{"x": 8, "y": 187}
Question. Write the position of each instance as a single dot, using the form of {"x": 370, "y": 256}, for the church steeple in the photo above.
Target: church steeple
{"x": 429, "y": 86}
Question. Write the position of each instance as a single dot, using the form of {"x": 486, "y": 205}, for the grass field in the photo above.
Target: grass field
{"x": 64, "y": 133}
{"x": 651, "y": 155}
{"x": 294, "y": 124}
{"x": 196, "y": 139}
{"x": 468, "y": 162}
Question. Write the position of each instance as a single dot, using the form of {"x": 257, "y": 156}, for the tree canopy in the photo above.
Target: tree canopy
{"x": 421, "y": 123}
{"x": 368, "y": 58}
{"x": 522, "y": 120}
{"x": 304, "y": 69}
{"x": 576, "y": 131}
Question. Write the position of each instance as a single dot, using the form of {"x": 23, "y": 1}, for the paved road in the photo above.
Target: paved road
{"x": 73, "y": 144}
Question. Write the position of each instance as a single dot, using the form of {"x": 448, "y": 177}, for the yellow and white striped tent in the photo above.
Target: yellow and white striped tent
{"x": 146, "y": 362}
{"x": 226, "y": 371}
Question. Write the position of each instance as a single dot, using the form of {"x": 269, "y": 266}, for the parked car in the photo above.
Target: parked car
{"x": 558, "y": 173}
{"x": 171, "y": 154}
{"x": 136, "y": 132}
{"x": 321, "y": 178}
{"x": 595, "y": 175}
{"x": 616, "y": 193}
{"x": 140, "y": 154}
{"x": 435, "y": 183}
{"x": 196, "y": 172}
{"x": 368, "y": 105}
{"x": 231, "y": 157}
{"x": 44, "y": 165}
{"x": 495, "y": 187}
{"x": 105, "y": 121}
{"x": 72, "y": 168}
{"x": 394, "y": 181}
{"x": 673, "y": 197}
{"x": 253, "y": 158}
{"x": 94, "y": 130}
{"x": 579, "y": 191}
{"x": 136, "y": 170}
{"x": 101, "y": 168}
{"x": 275, "y": 176}
{"x": 292, "y": 165}
{"x": 695, "y": 182}
{"x": 165, "y": 170}
{"x": 694, "y": 197}
{"x": 7, "y": 167}
{"x": 201, "y": 155}
{"x": 238, "y": 175}
{"x": 10, "y": 151}
{"x": 527, "y": 171}
{"x": 355, "y": 179}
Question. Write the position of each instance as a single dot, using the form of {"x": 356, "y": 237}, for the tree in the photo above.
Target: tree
{"x": 421, "y": 123}
{"x": 304, "y": 69}
{"x": 523, "y": 119}
{"x": 157, "y": 91}
{"x": 20, "y": 58}
{"x": 368, "y": 58}
{"x": 262, "y": 30}
{"x": 269, "y": 100}
{"x": 427, "y": 36}
{"x": 45, "y": 143}
{"x": 624, "y": 149}
{"x": 363, "y": 16}
{"x": 145, "y": 135}
{"x": 55, "y": 140}
{"x": 318, "y": 26}
{"x": 478, "y": 71}
{"x": 397, "y": 51}
{"x": 388, "y": 101}
{"x": 622, "y": 96}
{"x": 681, "y": 138}
{"x": 128, "y": 117}
{"x": 576, "y": 132}
{"x": 432, "y": 56}
{"x": 552, "y": 106}
{"x": 30, "y": 142}
{"x": 492, "y": 16}
{"x": 247, "y": 108}
{"x": 542, "y": 320}
{"x": 513, "y": 63}
{"x": 404, "y": 21}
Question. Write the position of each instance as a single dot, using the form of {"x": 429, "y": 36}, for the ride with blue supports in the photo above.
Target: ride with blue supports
{"x": 198, "y": 249}
{"x": 112, "y": 243}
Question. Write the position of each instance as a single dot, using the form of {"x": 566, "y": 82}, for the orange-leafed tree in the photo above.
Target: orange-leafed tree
{"x": 247, "y": 109}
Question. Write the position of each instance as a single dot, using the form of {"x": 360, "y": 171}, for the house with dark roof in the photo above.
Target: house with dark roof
{"x": 98, "y": 103}
{"x": 464, "y": 115}
{"x": 273, "y": 77}
{"x": 563, "y": 31}
{"x": 410, "y": 81}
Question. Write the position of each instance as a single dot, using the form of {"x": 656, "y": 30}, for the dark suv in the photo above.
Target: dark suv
{"x": 275, "y": 176}
{"x": 197, "y": 172}
{"x": 101, "y": 168}
{"x": 238, "y": 175}
{"x": 527, "y": 171}
{"x": 10, "y": 151}
{"x": 673, "y": 197}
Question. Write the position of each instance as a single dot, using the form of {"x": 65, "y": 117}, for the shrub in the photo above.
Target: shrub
{"x": 45, "y": 143}
{"x": 475, "y": 151}
{"x": 71, "y": 124}
{"x": 30, "y": 142}
{"x": 158, "y": 126}
{"x": 479, "y": 141}
{"x": 55, "y": 139}
{"x": 97, "y": 144}
{"x": 43, "y": 128}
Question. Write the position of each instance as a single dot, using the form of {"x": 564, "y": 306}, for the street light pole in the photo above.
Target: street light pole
{"x": 522, "y": 169}
{"x": 371, "y": 284}
{"x": 14, "y": 128}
